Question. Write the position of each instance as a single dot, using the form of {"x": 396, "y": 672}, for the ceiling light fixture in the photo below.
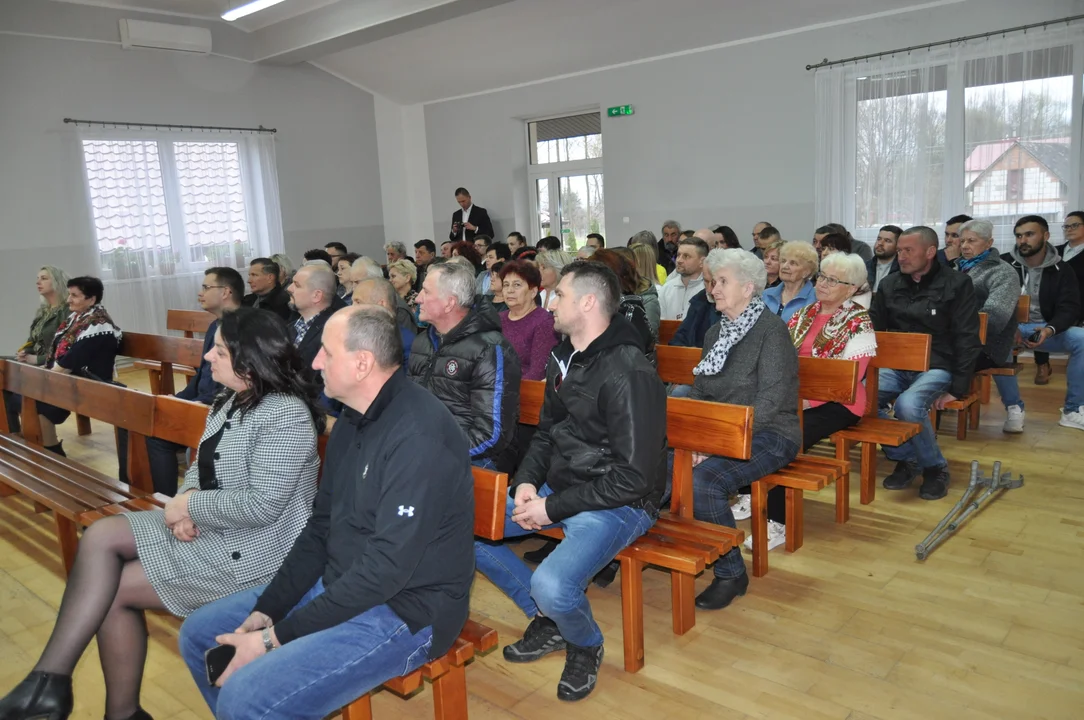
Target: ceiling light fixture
{"x": 248, "y": 8}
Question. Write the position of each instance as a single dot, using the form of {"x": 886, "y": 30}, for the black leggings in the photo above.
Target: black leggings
{"x": 817, "y": 424}
{"x": 106, "y": 595}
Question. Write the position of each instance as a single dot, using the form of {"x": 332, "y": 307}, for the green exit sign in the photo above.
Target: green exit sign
{"x": 619, "y": 110}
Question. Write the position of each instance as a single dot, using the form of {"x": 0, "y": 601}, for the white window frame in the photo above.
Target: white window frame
{"x": 553, "y": 172}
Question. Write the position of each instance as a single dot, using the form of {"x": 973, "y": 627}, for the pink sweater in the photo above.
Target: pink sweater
{"x": 533, "y": 338}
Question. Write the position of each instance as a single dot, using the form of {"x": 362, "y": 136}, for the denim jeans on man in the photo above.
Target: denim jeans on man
{"x": 1071, "y": 341}
{"x": 311, "y": 677}
{"x": 558, "y": 587}
{"x": 914, "y": 393}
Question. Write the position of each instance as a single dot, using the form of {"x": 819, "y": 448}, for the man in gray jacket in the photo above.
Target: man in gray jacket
{"x": 997, "y": 288}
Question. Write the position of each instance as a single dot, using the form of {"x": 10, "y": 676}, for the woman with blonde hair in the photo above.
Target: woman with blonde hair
{"x": 550, "y": 263}
{"x": 797, "y": 265}
{"x": 52, "y": 285}
{"x": 286, "y": 268}
{"x": 402, "y": 274}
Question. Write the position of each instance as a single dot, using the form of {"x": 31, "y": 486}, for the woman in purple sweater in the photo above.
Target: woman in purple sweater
{"x": 527, "y": 326}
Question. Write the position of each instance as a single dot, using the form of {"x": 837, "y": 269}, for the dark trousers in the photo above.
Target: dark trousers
{"x": 818, "y": 423}
{"x": 163, "y": 461}
{"x": 1042, "y": 358}
{"x": 13, "y": 406}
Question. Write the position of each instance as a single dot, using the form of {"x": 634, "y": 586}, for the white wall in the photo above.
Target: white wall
{"x": 328, "y": 167}
{"x": 722, "y": 136}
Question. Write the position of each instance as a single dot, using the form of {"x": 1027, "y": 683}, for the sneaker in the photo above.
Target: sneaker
{"x": 581, "y": 672}
{"x": 1043, "y": 373}
{"x": 935, "y": 482}
{"x": 539, "y": 640}
{"x": 777, "y": 535}
{"x": 1014, "y": 423}
{"x": 743, "y": 509}
{"x": 1073, "y": 419}
{"x": 904, "y": 474}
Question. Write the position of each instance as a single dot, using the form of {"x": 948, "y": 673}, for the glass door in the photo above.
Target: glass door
{"x": 570, "y": 206}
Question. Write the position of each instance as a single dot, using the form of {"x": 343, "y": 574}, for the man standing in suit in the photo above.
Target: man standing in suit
{"x": 469, "y": 219}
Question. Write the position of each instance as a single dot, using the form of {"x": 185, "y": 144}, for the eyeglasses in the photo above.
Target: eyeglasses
{"x": 1073, "y": 226}
{"x": 830, "y": 281}
{"x": 205, "y": 288}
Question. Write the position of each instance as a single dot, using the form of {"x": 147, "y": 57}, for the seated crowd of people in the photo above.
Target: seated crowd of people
{"x": 328, "y": 590}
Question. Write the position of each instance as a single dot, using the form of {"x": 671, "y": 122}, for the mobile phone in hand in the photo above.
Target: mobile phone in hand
{"x": 1036, "y": 336}
{"x": 217, "y": 660}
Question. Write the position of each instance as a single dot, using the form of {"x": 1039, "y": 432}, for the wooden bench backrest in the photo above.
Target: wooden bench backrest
{"x": 189, "y": 321}
{"x": 667, "y": 328}
{"x": 824, "y": 380}
{"x": 1023, "y": 308}
{"x": 906, "y": 352}
{"x": 179, "y": 421}
{"x": 531, "y": 394}
{"x": 490, "y": 502}
{"x": 709, "y": 428}
{"x": 676, "y": 363}
{"x": 162, "y": 348}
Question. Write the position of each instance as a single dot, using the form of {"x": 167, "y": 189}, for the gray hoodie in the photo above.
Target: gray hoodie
{"x": 1033, "y": 277}
{"x": 997, "y": 287}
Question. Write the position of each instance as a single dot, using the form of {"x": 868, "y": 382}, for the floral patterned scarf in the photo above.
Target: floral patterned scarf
{"x": 847, "y": 335}
{"x": 95, "y": 321}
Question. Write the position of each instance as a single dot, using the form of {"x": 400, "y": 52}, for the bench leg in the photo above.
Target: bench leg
{"x": 760, "y": 527}
{"x": 867, "y": 479}
{"x": 961, "y": 424}
{"x": 683, "y": 601}
{"x": 976, "y": 408}
{"x": 69, "y": 541}
{"x": 843, "y": 484}
{"x": 360, "y": 709}
{"x": 632, "y": 612}
{"x": 154, "y": 381}
{"x": 984, "y": 389}
{"x": 82, "y": 424}
{"x": 795, "y": 519}
{"x": 450, "y": 694}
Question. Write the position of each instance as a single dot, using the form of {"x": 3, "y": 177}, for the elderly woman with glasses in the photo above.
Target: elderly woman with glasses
{"x": 797, "y": 264}
{"x": 748, "y": 359}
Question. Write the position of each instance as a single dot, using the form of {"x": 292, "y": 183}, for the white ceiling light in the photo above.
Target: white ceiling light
{"x": 248, "y": 8}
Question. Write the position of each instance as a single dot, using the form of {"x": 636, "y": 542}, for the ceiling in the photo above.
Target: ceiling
{"x": 414, "y": 51}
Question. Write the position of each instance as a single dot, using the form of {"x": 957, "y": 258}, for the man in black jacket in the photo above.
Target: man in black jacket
{"x": 379, "y": 579}
{"x": 1053, "y": 315}
{"x": 313, "y": 301}
{"x": 469, "y": 220}
{"x": 926, "y": 297}
{"x": 267, "y": 293}
{"x": 883, "y": 263}
{"x": 1072, "y": 254}
{"x": 465, "y": 361}
{"x": 596, "y": 468}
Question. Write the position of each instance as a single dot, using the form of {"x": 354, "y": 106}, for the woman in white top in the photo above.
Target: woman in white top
{"x": 550, "y": 263}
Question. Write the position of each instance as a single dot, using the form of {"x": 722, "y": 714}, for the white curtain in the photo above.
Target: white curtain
{"x": 165, "y": 206}
{"x": 989, "y": 128}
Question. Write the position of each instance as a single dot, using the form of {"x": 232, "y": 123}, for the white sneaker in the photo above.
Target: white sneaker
{"x": 1014, "y": 423}
{"x": 1073, "y": 419}
{"x": 743, "y": 509}
{"x": 777, "y": 535}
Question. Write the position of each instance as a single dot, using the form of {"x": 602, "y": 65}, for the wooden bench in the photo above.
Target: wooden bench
{"x": 667, "y": 328}
{"x": 905, "y": 352}
{"x": 189, "y": 322}
{"x": 675, "y": 363}
{"x": 677, "y": 542}
{"x": 966, "y": 407}
{"x": 1023, "y": 309}
{"x": 67, "y": 488}
{"x": 161, "y": 356}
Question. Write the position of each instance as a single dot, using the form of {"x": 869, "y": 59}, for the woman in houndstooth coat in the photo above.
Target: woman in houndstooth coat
{"x": 244, "y": 501}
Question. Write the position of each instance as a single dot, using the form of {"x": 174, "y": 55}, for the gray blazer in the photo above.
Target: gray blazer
{"x": 267, "y": 467}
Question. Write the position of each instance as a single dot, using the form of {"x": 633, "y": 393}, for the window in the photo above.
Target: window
{"x": 161, "y": 207}
{"x": 566, "y": 178}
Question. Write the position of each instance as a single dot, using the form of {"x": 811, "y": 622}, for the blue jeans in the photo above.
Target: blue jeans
{"x": 484, "y": 463}
{"x": 558, "y": 588}
{"x": 311, "y": 677}
{"x": 1071, "y": 341}
{"x": 914, "y": 393}
{"x": 717, "y": 478}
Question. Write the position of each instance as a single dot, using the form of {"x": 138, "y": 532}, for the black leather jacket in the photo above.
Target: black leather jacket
{"x": 943, "y": 305}
{"x": 601, "y": 439}
{"x": 475, "y": 372}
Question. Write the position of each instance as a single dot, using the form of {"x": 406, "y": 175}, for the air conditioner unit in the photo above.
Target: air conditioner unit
{"x": 162, "y": 36}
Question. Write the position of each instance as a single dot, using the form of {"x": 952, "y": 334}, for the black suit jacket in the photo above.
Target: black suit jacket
{"x": 479, "y": 218}
{"x": 310, "y": 344}
{"x": 276, "y": 301}
{"x": 1077, "y": 265}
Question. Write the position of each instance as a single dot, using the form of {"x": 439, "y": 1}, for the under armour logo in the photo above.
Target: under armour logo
{"x": 408, "y": 511}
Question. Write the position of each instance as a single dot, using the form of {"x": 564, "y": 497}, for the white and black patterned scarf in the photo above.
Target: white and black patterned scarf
{"x": 730, "y": 334}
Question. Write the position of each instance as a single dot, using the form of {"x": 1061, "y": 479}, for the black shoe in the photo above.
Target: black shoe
{"x": 935, "y": 483}
{"x": 607, "y": 574}
{"x": 536, "y": 556}
{"x": 581, "y": 672}
{"x": 722, "y": 592}
{"x": 139, "y": 714}
{"x": 539, "y": 640}
{"x": 41, "y": 695}
{"x": 904, "y": 474}
{"x": 58, "y": 449}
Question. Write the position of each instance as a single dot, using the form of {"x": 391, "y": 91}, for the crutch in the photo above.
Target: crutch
{"x": 967, "y": 505}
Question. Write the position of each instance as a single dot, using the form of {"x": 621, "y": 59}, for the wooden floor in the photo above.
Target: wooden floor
{"x": 850, "y": 627}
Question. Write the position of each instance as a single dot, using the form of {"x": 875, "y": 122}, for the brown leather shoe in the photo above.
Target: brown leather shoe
{"x": 1042, "y": 374}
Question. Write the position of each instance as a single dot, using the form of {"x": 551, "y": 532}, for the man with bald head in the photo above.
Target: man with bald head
{"x": 379, "y": 292}
{"x": 926, "y": 297}
{"x": 313, "y": 301}
{"x": 366, "y": 269}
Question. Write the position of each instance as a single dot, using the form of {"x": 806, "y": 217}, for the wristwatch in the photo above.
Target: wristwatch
{"x": 268, "y": 645}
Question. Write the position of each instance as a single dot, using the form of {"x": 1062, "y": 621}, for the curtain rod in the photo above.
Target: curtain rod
{"x": 1019, "y": 28}
{"x": 166, "y": 126}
